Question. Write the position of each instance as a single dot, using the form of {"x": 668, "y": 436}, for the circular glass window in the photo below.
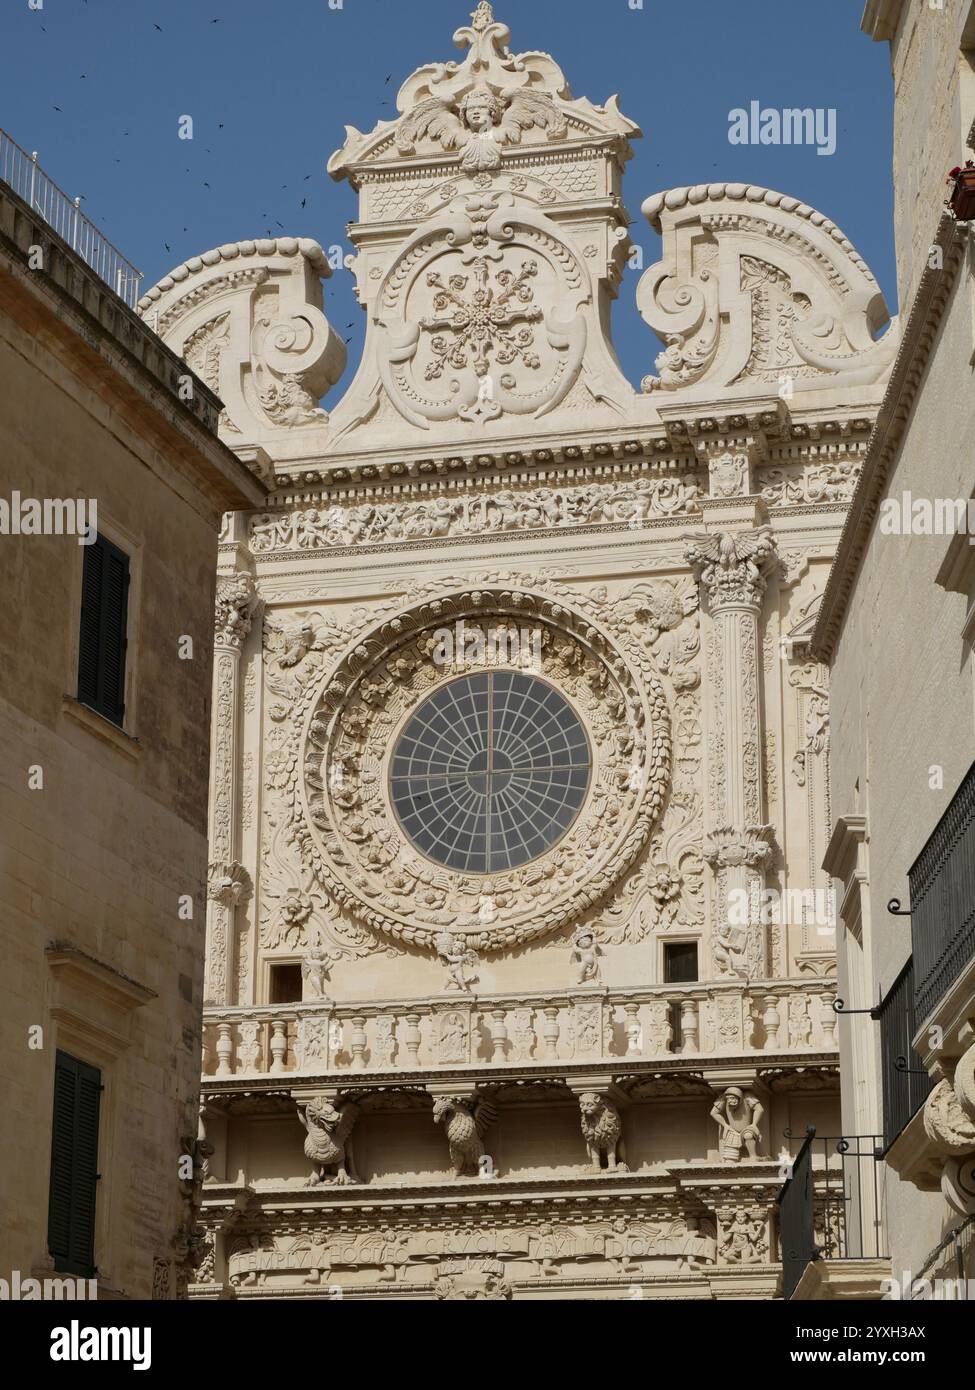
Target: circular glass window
{"x": 489, "y": 772}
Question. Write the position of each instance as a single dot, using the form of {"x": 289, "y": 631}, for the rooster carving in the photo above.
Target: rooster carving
{"x": 466, "y": 1119}
{"x": 329, "y": 1139}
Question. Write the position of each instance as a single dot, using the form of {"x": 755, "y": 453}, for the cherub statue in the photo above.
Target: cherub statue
{"x": 738, "y": 1117}
{"x": 729, "y": 946}
{"x": 459, "y": 959}
{"x": 314, "y": 970}
{"x": 584, "y": 955}
{"x": 480, "y": 124}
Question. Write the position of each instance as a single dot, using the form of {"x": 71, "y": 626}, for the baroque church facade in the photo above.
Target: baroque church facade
{"x": 520, "y": 963}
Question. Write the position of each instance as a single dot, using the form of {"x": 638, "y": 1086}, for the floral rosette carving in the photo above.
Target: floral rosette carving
{"x": 347, "y": 724}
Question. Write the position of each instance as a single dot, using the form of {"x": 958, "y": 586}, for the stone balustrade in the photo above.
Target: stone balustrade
{"x": 581, "y": 1025}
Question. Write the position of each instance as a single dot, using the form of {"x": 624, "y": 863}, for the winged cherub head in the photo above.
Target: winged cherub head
{"x": 481, "y": 110}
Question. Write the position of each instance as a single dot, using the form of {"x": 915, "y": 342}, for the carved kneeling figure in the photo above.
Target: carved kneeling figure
{"x": 602, "y": 1130}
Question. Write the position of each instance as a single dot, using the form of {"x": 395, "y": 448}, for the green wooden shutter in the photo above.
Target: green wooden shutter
{"x": 74, "y": 1166}
{"x": 102, "y": 644}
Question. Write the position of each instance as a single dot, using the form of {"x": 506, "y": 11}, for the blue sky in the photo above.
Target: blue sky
{"x": 272, "y": 83}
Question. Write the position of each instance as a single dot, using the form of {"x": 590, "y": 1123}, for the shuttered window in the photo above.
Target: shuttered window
{"x": 104, "y": 609}
{"x": 74, "y": 1166}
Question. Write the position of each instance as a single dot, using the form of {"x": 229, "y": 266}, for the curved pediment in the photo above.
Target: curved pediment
{"x": 757, "y": 291}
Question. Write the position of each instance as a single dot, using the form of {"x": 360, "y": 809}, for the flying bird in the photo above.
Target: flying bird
{"x": 205, "y": 184}
{"x": 158, "y": 26}
{"x": 57, "y": 108}
{"x": 303, "y": 201}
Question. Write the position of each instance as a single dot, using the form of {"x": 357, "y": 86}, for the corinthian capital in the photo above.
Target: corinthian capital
{"x": 236, "y": 598}
{"x": 753, "y": 847}
{"x": 733, "y": 568}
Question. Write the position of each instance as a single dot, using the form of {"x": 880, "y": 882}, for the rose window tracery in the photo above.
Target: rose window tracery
{"x": 489, "y": 772}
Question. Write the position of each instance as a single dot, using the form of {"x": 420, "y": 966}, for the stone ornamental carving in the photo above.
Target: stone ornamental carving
{"x": 492, "y": 101}
{"x": 329, "y": 1140}
{"x": 585, "y": 955}
{"x": 744, "y": 1237}
{"x": 349, "y": 838}
{"x": 314, "y": 973}
{"x": 738, "y": 1116}
{"x": 479, "y": 1281}
{"x": 460, "y": 960}
{"x": 733, "y": 568}
{"x": 514, "y": 721}
{"x": 632, "y": 504}
{"x": 465, "y": 1121}
{"x": 946, "y": 1123}
{"x": 236, "y": 599}
{"x": 602, "y": 1129}
{"x": 756, "y": 292}
{"x": 228, "y": 884}
{"x": 248, "y": 318}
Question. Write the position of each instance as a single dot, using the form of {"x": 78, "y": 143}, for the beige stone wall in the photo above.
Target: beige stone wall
{"x": 97, "y": 859}
{"x": 934, "y": 105}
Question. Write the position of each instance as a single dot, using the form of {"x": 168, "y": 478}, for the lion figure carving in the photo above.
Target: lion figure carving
{"x": 602, "y": 1130}
{"x": 328, "y": 1143}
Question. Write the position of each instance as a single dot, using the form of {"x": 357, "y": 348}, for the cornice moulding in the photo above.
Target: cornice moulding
{"x": 881, "y": 19}
{"x": 895, "y": 414}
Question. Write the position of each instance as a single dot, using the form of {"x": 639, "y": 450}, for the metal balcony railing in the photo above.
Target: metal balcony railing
{"x": 22, "y": 173}
{"x": 906, "y": 1083}
{"x": 942, "y": 880}
{"x": 831, "y": 1207}
{"x": 797, "y": 1235}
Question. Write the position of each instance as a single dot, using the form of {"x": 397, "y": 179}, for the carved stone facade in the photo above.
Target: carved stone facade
{"x": 901, "y": 769}
{"x": 558, "y": 1024}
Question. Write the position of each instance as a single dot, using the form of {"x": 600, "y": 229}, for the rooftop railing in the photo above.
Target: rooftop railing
{"x": 22, "y": 173}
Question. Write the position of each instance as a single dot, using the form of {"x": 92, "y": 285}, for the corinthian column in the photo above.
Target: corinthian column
{"x": 228, "y": 882}
{"x": 732, "y": 570}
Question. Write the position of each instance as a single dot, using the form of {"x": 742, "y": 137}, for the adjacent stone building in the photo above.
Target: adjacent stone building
{"x": 104, "y": 730}
{"x": 896, "y": 628}
{"x": 520, "y": 957}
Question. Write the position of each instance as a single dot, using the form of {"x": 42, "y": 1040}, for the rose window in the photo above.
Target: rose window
{"x": 489, "y": 772}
